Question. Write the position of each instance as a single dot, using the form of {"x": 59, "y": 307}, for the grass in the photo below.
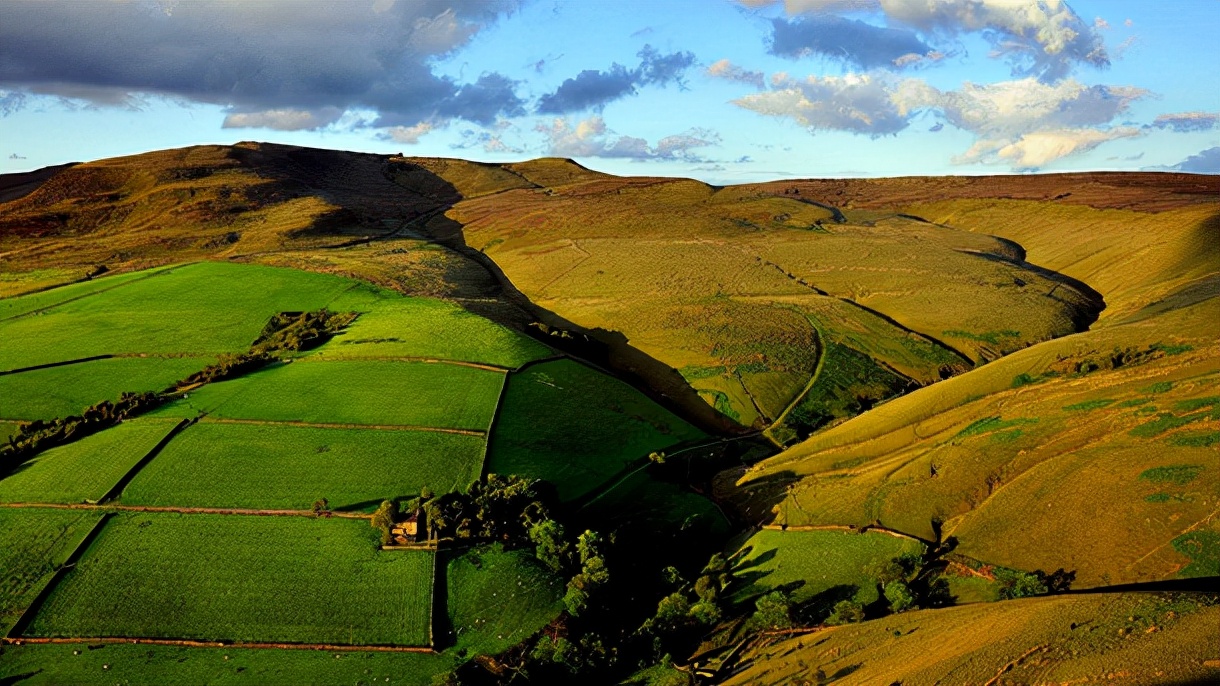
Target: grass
{"x": 990, "y": 337}
{"x": 1195, "y": 439}
{"x": 84, "y": 470}
{"x": 393, "y": 326}
{"x": 155, "y": 665}
{"x": 33, "y": 544}
{"x": 1180, "y": 474}
{"x": 25, "y": 304}
{"x": 1089, "y": 405}
{"x": 577, "y": 428}
{"x": 283, "y": 467}
{"x": 1203, "y": 550}
{"x": 499, "y": 598}
{"x": 239, "y": 578}
{"x": 814, "y": 562}
{"x": 1165, "y": 422}
{"x": 644, "y": 501}
{"x": 193, "y": 308}
{"x": 849, "y": 383}
{"x": 354, "y": 392}
{"x": 66, "y": 390}
{"x": 992, "y": 424}
{"x": 1196, "y": 403}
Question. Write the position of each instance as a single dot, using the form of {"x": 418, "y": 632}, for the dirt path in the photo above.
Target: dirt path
{"x": 222, "y": 644}
{"x": 184, "y": 510}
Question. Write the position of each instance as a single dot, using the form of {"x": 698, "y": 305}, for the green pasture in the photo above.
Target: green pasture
{"x": 287, "y": 467}
{"x": 237, "y": 578}
{"x": 33, "y": 302}
{"x": 67, "y": 390}
{"x": 34, "y": 542}
{"x": 353, "y": 392}
{"x": 85, "y": 469}
{"x": 499, "y": 598}
{"x": 573, "y": 426}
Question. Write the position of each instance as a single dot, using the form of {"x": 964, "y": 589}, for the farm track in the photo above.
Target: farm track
{"x": 183, "y": 510}
{"x": 111, "y": 640}
{"x": 319, "y": 425}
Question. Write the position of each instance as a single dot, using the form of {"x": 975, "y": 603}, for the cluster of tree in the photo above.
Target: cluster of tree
{"x": 1017, "y": 584}
{"x": 38, "y": 435}
{"x": 301, "y": 330}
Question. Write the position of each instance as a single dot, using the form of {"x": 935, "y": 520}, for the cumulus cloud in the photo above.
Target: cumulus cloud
{"x": 1205, "y": 162}
{"x": 408, "y": 134}
{"x": 1187, "y": 121}
{"x": 591, "y": 138}
{"x": 593, "y": 89}
{"x": 855, "y": 103}
{"x": 286, "y": 65}
{"x": 728, "y": 71}
{"x": 1045, "y": 39}
{"x": 852, "y": 41}
{"x": 286, "y": 119}
{"x": 1025, "y": 123}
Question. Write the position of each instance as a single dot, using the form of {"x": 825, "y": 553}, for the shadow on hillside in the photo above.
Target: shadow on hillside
{"x": 1082, "y": 317}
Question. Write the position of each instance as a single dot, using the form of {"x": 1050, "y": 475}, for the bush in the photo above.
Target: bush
{"x": 772, "y": 611}
{"x": 846, "y": 612}
{"x": 899, "y": 596}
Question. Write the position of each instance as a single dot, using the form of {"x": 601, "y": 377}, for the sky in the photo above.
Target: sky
{"x": 726, "y": 91}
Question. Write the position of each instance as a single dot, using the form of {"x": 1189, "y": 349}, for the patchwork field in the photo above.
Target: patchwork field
{"x": 64, "y": 391}
{"x": 272, "y": 579}
{"x": 33, "y": 544}
{"x": 497, "y": 598}
{"x": 286, "y": 467}
{"x": 809, "y": 563}
{"x": 575, "y": 427}
{"x": 87, "y": 469}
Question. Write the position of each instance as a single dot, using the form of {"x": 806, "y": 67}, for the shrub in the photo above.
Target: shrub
{"x": 846, "y": 612}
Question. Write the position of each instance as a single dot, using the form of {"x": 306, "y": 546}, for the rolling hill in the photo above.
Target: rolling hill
{"x": 974, "y": 379}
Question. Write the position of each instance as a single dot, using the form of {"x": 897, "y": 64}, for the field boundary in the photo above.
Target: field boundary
{"x": 491, "y": 425}
{"x": 35, "y": 605}
{"x": 432, "y": 602}
{"x": 847, "y": 528}
{"x": 107, "y": 356}
{"x": 117, "y": 489}
{"x": 324, "y": 425}
{"x": 191, "y": 643}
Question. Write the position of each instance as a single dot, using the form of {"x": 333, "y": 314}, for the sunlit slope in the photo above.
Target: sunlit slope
{"x": 1092, "y": 639}
{"x": 1047, "y": 458}
{"x": 741, "y": 292}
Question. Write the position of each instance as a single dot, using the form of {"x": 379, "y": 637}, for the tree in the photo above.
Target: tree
{"x": 846, "y": 612}
{"x": 383, "y": 519}
{"x": 1017, "y": 584}
{"x": 321, "y": 507}
{"x": 899, "y": 596}
{"x": 551, "y": 545}
{"x": 772, "y": 611}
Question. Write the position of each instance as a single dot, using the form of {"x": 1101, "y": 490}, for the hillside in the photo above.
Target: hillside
{"x": 218, "y": 362}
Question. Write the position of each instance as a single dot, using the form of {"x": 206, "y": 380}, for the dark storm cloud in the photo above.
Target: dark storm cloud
{"x": 1183, "y": 122}
{"x": 286, "y": 61}
{"x": 849, "y": 40}
{"x": 594, "y": 88}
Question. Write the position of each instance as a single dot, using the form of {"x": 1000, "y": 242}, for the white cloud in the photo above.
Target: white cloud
{"x": 725, "y": 69}
{"x": 856, "y": 103}
{"x": 284, "y": 119}
{"x": 408, "y": 134}
{"x": 1037, "y": 149}
{"x": 591, "y": 138}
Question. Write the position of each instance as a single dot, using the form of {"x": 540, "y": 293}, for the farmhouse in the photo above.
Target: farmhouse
{"x": 407, "y": 531}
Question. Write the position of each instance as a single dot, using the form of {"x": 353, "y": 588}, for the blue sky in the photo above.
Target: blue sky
{"x": 722, "y": 90}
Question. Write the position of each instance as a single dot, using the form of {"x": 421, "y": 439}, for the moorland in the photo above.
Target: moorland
{"x": 284, "y": 415}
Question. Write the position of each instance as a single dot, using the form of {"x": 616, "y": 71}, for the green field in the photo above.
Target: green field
{"x": 573, "y": 426}
{"x": 499, "y": 598}
{"x": 194, "y": 308}
{"x": 814, "y": 562}
{"x": 85, "y": 469}
{"x": 211, "y": 577}
{"x": 286, "y": 467}
{"x": 33, "y": 544}
{"x": 642, "y": 499}
{"x": 155, "y": 665}
{"x": 354, "y": 392}
{"x": 393, "y": 326}
{"x": 64, "y": 391}
{"x": 25, "y": 304}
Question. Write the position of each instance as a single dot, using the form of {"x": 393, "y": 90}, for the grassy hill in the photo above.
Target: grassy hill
{"x": 977, "y": 376}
